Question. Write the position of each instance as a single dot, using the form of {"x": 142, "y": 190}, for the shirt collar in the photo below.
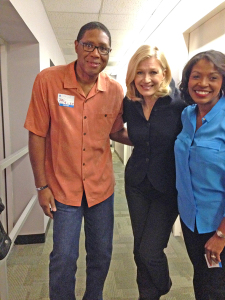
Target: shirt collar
{"x": 220, "y": 105}
{"x": 101, "y": 82}
{"x": 70, "y": 80}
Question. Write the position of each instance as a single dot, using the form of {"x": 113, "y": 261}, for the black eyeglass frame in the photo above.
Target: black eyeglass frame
{"x": 98, "y": 48}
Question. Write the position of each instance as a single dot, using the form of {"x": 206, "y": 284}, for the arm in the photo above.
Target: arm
{"x": 215, "y": 244}
{"x": 121, "y": 136}
{"x": 37, "y": 159}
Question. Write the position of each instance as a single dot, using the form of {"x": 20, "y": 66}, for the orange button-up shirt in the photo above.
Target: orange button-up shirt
{"x": 77, "y": 128}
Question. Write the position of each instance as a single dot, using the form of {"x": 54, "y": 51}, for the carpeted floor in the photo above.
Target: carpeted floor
{"x": 28, "y": 264}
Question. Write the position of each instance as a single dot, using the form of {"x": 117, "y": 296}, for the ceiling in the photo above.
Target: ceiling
{"x": 124, "y": 19}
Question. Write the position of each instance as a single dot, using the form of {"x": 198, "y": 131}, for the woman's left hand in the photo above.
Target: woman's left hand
{"x": 213, "y": 247}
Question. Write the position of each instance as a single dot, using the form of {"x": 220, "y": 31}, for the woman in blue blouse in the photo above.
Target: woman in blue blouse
{"x": 152, "y": 112}
{"x": 200, "y": 167}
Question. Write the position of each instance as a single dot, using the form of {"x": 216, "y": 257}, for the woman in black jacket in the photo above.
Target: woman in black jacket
{"x": 152, "y": 112}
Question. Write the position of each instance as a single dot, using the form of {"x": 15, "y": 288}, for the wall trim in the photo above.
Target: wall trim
{"x": 33, "y": 238}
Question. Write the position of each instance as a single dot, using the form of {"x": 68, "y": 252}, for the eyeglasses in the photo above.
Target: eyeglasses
{"x": 90, "y": 48}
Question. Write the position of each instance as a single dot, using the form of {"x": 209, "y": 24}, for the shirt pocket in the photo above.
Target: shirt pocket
{"x": 208, "y": 151}
{"x": 102, "y": 125}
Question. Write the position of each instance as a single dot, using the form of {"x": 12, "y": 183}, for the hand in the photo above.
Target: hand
{"x": 47, "y": 202}
{"x": 213, "y": 247}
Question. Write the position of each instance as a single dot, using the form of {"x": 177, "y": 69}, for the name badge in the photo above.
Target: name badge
{"x": 66, "y": 100}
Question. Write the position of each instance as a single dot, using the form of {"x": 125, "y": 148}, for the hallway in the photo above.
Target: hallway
{"x": 28, "y": 264}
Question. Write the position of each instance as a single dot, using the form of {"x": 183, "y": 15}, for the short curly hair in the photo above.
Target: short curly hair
{"x": 142, "y": 53}
{"x": 216, "y": 57}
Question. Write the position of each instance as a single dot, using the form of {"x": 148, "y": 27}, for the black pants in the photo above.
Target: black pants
{"x": 152, "y": 216}
{"x": 209, "y": 283}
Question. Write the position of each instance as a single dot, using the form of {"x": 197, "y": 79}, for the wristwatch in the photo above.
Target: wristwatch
{"x": 220, "y": 234}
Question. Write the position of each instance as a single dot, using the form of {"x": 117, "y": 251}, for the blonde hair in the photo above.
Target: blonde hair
{"x": 141, "y": 54}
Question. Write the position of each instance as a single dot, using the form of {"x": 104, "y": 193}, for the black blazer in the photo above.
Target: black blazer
{"x": 153, "y": 140}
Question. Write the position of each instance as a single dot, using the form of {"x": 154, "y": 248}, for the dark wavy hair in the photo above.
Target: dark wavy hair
{"x": 91, "y": 26}
{"x": 216, "y": 57}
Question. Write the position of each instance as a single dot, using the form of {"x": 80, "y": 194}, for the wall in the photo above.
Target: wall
{"x": 119, "y": 148}
{"x": 1, "y": 123}
{"x": 170, "y": 29}
{"x": 28, "y": 46}
{"x": 209, "y": 35}
{"x": 34, "y": 16}
{"x": 23, "y": 66}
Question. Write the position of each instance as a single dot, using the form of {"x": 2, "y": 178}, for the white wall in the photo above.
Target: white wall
{"x": 119, "y": 148}
{"x": 34, "y": 16}
{"x": 170, "y": 29}
{"x": 29, "y": 44}
{"x": 209, "y": 35}
{"x": 166, "y": 30}
{"x": 1, "y": 127}
{"x": 23, "y": 66}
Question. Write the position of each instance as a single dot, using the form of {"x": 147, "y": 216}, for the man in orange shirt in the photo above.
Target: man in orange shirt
{"x": 73, "y": 113}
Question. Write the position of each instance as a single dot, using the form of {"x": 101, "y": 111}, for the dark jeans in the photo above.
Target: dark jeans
{"x": 209, "y": 283}
{"x": 152, "y": 216}
{"x": 98, "y": 226}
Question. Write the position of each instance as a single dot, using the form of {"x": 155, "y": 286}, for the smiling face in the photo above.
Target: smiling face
{"x": 204, "y": 84}
{"x": 90, "y": 64}
{"x": 148, "y": 78}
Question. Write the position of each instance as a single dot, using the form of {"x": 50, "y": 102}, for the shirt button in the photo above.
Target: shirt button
{"x": 147, "y": 143}
{"x": 148, "y": 124}
{"x": 105, "y": 115}
{"x": 84, "y": 149}
{"x": 83, "y": 179}
{"x": 84, "y": 133}
{"x": 147, "y": 159}
{"x": 83, "y": 164}
{"x": 85, "y": 117}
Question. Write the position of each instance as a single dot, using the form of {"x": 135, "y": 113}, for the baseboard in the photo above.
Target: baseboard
{"x": 32, "y": 238}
